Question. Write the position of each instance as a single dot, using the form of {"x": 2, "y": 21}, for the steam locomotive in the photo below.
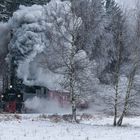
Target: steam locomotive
{"x": 12, "y": 101}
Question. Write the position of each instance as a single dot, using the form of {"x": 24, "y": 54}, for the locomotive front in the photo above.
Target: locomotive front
{"x": 12, "y": 100}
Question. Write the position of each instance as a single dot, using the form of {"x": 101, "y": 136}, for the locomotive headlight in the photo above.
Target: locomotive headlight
{"x": 18, "y": 95}
{"x": 2, "y": 96}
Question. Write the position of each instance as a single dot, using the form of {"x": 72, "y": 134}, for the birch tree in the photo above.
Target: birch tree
{"x": 63, "y": 35}
{"x": 117, "y": 28}
{"x": 135, "y": 65}
{"x": 66, "y": 57}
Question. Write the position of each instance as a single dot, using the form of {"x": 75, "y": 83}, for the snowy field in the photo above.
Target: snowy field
{"x": 38, "y": 127}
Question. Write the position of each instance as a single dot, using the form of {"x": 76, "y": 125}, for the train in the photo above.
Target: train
{"x": 12, "y": 100}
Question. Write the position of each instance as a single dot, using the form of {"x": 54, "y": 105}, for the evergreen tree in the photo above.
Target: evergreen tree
{"x": 116, "y": 29}
{"x": 96, "y": 39}
{"x": 4, "y": 13}
{"x": 7, "y": 7}
{"x": 92, "y": 15}
{"x": 116, "y": 26}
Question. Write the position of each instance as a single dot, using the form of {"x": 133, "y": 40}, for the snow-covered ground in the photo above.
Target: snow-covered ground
{"x": 37, "y": 127}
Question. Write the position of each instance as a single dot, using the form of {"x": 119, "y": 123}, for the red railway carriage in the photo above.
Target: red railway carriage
{"x": 61, "y": 97}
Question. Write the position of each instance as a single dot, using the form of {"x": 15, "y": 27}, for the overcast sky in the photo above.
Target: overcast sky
{"x": 127, "y": 3}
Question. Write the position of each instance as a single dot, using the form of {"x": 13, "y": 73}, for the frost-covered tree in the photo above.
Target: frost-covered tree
{"x": 92, "y": 15}
{"x": 94, "y": 38}
{"x": 125, "y": 61}
{"x": 130, "y": 97}
{"x": 117, "y": 28}
{"x": 72, "y": 62}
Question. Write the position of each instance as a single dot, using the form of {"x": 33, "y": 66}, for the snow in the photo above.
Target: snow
{"x": 32, "y": 127}
{"x": 81, "y": 55}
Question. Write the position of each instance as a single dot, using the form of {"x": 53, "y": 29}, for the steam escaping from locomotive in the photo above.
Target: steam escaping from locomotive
{"x": 31, "y": 28}
{"x": 41, "y": 105}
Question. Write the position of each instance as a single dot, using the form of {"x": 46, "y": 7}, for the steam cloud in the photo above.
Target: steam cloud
{"x": 41, "y": 105}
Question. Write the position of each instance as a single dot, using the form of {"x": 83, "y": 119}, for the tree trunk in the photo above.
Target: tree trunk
{"x": 74, "y": 119}
{"x": 128, "y": 95}
{"x": 115, "y": 116}
{"x": 119, "y": 123}
{"x": 72, "y": 82}
{"x": 73, "y": 99}
{"x": 116, "y": 90}
{"x": 116, "y": 102}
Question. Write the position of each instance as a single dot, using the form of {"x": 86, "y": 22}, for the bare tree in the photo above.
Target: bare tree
{"x": 116, "y": 27}
{"x": 127, "y": 51}
{"x": 117, "y": 75}
{"x": 63, "y": 45}
{"x": 135, "y": 64}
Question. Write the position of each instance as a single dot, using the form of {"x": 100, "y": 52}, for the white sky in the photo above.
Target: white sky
{"x": 127, "y": 3}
